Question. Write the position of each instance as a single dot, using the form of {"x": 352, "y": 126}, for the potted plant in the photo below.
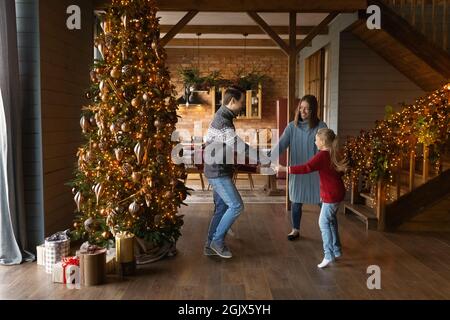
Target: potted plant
{"x": 251, "y": 80}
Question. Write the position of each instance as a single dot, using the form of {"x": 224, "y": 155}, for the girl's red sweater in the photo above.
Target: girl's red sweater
{"x": 332, "y": 189}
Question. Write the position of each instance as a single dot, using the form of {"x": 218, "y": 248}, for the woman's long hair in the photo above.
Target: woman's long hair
{"x": 313, "y": 111}
{"x": 330, "y": 140}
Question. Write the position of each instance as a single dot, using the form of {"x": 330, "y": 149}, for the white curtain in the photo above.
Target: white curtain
{"x": 12, "y": 208}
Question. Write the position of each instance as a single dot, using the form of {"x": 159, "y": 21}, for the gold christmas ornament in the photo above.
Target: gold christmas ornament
{"x": 93, "y": 75}
{"x": 115, "y": 73}
{"x": 133, "y": 208}
{"x": 139, "y": 152}
{"x": 102, "y": 86}
{"x": 119, "y": 154}
{"x": 136, "y": 176}
{"x": 136, "y": 102}
{"x": 125, "y": 127}
{"x": 105, "y": 97}
{"x": 84, "y": 123}
{"x": 107, "y": 26}
{"x": 114, "y": 128}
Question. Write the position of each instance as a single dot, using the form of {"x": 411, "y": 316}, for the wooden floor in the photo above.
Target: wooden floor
{"x": 266, "y": 266}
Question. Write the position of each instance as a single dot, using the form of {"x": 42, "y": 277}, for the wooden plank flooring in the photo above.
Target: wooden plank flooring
{"x": 266, "y": 266}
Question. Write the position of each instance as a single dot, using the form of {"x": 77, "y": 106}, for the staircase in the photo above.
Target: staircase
{"x": 414, "y": 190}
{"x": 414, "y": 37}
{"x": 399, "y": 172}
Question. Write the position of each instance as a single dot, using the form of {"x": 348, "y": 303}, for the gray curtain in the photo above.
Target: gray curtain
{"x": 12, "y": 209}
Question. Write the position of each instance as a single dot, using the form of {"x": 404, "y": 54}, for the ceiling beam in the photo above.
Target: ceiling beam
{"x": 224, "y": 42}
{"x": 229, "y": 29}
{"x": 269, "y": 31}
{"x": 305, "y": 42}
{"x": 176, "y": 28}
{"x": 254, "y": 5}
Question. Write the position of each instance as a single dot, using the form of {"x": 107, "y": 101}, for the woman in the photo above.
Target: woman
{"x": 299, "y": 136}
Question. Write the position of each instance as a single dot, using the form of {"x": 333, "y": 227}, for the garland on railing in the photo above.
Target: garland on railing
{"x": 376, "y": 154}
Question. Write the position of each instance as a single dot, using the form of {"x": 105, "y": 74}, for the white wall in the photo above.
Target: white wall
{"x": 332, "y": 39}
{"x": 367, "y": 84}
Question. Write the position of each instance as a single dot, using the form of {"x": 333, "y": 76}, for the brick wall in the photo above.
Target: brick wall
{"x": 229, "y": 61}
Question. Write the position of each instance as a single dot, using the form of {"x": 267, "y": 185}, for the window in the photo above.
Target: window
{"x": 317, "y": 80}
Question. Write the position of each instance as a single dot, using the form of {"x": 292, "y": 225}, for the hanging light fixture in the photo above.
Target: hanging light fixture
{"x": 245, "y": 49}
{"x": 191, "y": 94}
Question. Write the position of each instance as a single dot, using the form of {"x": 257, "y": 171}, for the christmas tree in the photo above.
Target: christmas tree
{"x": 125, "y": 178}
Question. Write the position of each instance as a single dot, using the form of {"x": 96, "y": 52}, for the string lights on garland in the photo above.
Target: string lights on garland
{"x": 377, "y": 154}
{"x": 125, "y": 180}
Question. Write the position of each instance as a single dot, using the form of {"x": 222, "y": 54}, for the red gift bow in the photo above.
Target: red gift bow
{"x": 69, "y": 261}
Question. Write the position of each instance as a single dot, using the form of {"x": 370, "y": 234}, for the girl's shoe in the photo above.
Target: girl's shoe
{"x": 324, "y": 263}
{"x": 295, "y": 234}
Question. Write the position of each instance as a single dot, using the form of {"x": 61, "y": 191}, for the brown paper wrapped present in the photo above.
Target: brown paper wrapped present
{"x": 92, "y": 265}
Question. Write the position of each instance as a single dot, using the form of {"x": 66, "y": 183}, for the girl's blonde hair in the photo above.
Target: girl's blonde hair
{"x": 330, "y": 140}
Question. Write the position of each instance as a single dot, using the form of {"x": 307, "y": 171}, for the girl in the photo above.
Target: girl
{"x": 332, "y": 191}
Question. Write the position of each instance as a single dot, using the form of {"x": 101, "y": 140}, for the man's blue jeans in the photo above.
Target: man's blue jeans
{"x": 228, "y": 206}
{"x": 329, "y": 227}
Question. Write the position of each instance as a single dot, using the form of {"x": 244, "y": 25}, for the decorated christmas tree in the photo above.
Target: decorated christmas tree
{"x": 125, "y": 178}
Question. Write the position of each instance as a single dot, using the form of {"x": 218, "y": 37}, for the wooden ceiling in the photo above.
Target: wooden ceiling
{"x": 223, "y": 23}
{"x": 255, "y": 5}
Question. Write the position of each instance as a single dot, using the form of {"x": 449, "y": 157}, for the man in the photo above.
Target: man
{"x": 221, "y": 144}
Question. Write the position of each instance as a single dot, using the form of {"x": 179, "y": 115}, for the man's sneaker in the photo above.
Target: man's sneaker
{"x": 221, "y": 250}
{"x": 207, "y": 251}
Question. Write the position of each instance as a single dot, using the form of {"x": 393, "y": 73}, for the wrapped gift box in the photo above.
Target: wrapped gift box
{"x": 60, "y": 270}
{"x": 40, "y": 255}
{"x": 92, "y": 265}
{"x": 57, "y": 246}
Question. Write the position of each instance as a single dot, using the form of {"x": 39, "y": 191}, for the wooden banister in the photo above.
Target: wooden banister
{"x": 381, "y": 205}
{"x": 398, "y": 179}
{"x": 426, "y": 163}
{"x": 354, "y": 192}
{"x": 412, "y": 169}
